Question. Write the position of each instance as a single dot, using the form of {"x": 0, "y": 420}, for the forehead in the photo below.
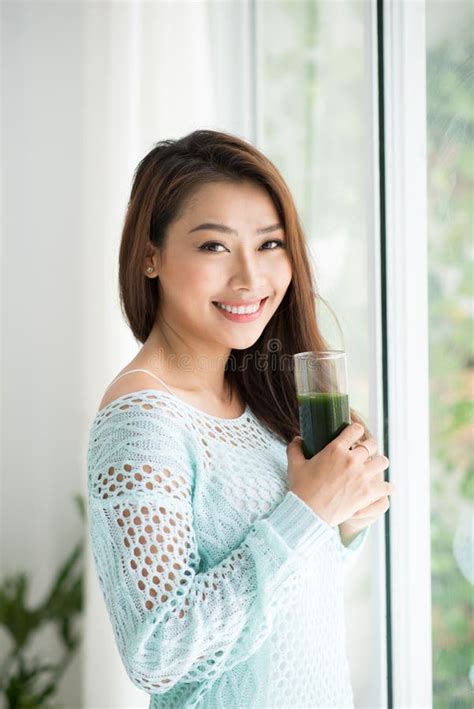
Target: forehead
{"x": 234, "y": 199}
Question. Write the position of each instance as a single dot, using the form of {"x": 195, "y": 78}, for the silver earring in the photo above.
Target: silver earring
{"x": 149, "y": 269}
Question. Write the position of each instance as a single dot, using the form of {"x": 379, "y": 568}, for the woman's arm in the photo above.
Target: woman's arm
{"x": 172, "y": 622}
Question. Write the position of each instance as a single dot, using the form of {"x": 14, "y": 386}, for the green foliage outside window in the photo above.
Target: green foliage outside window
{"x": 450, "y": 173}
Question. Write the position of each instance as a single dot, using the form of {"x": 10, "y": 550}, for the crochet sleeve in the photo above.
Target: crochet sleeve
{"x": 173, "y": 621}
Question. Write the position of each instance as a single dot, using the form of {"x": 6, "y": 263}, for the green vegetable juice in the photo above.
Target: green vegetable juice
{"x": 322, "y": 418}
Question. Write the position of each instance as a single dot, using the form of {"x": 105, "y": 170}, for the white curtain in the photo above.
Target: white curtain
{"x": 87, "y": 89}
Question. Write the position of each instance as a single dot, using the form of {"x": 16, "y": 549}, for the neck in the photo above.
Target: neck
{"x": 190, "y": 365}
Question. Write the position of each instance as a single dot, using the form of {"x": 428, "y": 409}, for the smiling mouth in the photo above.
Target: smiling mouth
{"x": 242, "y": 304}
{"x": 241, "y": 317}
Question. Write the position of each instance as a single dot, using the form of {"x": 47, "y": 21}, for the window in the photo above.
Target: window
{"x": 316, "y": 107}
{"x": 368, "y": 111}
{"x": 450, "y": 178}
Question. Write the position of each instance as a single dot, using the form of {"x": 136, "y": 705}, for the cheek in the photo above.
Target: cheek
{"x": 204, "y": 277}
{"x": 281, "y": 273}
{"x": 194, "y": 275}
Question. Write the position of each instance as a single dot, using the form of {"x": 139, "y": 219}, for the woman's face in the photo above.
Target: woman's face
{"x": 242, "y": 258}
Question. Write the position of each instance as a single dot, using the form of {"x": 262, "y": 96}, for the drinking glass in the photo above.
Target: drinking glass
{"x": 321, "y": 390}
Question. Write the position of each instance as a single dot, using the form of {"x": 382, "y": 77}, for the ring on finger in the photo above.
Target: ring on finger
{"x": 369, "y": 457}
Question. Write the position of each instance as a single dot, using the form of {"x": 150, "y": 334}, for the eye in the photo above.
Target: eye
{"x": 205, "y": 246}
{"x": 274, "y": 241}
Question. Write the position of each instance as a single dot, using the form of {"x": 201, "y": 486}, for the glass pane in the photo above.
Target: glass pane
{"x": 450, "y": 130}
{"x": 314, "y": 112}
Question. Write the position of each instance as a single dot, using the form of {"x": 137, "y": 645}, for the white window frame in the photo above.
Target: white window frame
{"x": 397, "y": 256}
{"x": 407, "y": 347}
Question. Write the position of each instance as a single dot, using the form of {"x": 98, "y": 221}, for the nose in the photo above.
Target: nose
{"x": 249, "y": 272}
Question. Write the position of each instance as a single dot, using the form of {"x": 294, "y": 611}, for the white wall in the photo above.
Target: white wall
{"x": 42, "y": 332}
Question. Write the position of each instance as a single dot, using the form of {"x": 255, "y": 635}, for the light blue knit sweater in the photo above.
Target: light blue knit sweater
{"x": 224, "y": 589}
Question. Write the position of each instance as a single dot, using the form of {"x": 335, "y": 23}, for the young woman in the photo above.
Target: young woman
{"x": 219, "y": 548}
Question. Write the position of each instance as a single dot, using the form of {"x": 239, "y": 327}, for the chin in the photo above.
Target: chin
{"x": 243, "y": 343}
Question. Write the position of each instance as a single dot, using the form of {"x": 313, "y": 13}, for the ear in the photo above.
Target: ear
{"x": 152, "y": 259}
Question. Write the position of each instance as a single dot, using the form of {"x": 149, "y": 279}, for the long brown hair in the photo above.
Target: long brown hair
{"x": 163, "y": 180}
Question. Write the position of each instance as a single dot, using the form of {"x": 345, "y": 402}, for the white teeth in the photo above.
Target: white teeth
{"x": 240, "y": 310}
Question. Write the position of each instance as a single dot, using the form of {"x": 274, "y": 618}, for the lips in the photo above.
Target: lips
{"x": 242, "y": 317}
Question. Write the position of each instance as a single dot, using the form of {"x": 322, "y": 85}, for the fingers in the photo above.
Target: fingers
{"x": 294, "y": 449}
{"x": 389, "y": 488}
{"x": 377, "y": 491}
{"x": 366, "y": 448}
{"x": 377, "y": 508}
{"x": 350, "y": 434}
{"x": 377, "y": 465}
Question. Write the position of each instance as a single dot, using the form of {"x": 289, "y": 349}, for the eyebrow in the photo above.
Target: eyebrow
{"x": 207, "y": 226}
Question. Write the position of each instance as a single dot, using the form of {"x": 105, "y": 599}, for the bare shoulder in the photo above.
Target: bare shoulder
{"x": 132, "y": 382}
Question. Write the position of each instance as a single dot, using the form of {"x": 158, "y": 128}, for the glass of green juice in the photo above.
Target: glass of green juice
{"x": 321, "y": 390}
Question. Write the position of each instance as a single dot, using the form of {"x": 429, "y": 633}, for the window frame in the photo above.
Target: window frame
{"x": 404, "y": 213}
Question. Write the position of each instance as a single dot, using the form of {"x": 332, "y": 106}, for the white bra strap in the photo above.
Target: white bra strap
{"x": 140, "y": 370}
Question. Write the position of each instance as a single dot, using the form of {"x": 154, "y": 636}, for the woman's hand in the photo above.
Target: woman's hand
{"x": 343, "y": 480}
{"x": 361, "y": 519}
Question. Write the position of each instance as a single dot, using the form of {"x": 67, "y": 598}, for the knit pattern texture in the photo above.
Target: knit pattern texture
{"x": 223, "y": 588}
